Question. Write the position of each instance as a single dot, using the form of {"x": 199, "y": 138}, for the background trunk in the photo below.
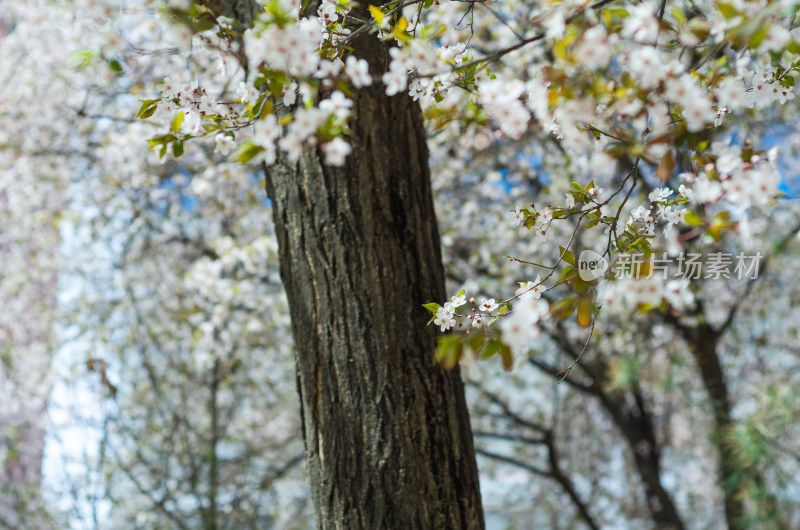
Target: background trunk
{"x": 29, "y": 247}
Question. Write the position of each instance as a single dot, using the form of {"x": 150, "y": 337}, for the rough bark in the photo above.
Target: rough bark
{"x": 387, "y": 432}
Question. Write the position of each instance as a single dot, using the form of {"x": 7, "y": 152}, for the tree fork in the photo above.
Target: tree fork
{"x": 631, "y": 416}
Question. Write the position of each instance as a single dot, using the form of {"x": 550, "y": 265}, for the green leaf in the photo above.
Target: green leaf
{"x": 430, "y": 307}
{"x": 563, "y": 308}
{"x": 758, "y": 36}
{"x": 377, "y": 14}
{"x": 247, "y": 151}
{"x": 618, "y": 11}
{"x": 492, "y": 348}
{"x": 720, "y": 222}
{"x": 162, "y": 141}
{"x": 275, "y": 88}
{"x": 399, "y": 31}
{"x": 666, "y": 167}
{"x": 567, "y": 274}
{"x": 176, "y": 122}
{"x": 506, "y": 357}
{"x": 727, "y": 10}
{"x": 80, "y": 59}
{"x": 566, "y": 255}
{"x": 450, "y": 351}
{"x": 177, "y": 148}
{"x": 267, "y": 108}
{"x": 115, "y": 66}
{"x": 692, "y": 219}
{"x": 475, "y": 340}
{"x": 678, "y": 15}
{"x": 147, "y": 109}
{"x": 584, "y": 315}
{"x": 433, "y": 307}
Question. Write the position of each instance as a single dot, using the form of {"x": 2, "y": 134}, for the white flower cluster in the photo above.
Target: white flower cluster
{"x": 518, "y": 327}
{"x": 268, "y": 132}
{"x": 594, "y": 49}
{"x": 693, "y": 99}
{"x": 415, "y": 56}
{"x": 331, "y": 15}
{"x": 641, "y": 216}
{"x": 501, "y": 99}
{"x": 521, "y": 326}
{"x": 446, "y": 315}
{"x": 626, "y": 293}
{"x": 665, "y": 209}
{"x": 743, "y": 183}
{"x": 358, "y": 72}
{"x": 191, "y": 100}
{"x": 291, "y": 49}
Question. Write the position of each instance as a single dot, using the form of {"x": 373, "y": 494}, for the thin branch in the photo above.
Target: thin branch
{"x": 515, "y": 462}
{"x": 507, "y": 410}
{"x": 510, "y": 437}
{"x": 503, "y": 21}
{"x": 749, "y": 287}
{"x": 568, "y": 369}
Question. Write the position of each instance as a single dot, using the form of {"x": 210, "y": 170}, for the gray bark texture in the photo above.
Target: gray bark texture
{"x": 387, "y": 431}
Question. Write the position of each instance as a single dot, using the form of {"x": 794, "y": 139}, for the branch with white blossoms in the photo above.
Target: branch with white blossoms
{"x": 193, "y": 114}
{"x": 649, "y": 98}
{"x": 728, "y": 171}
{"x": 519, "y": 324}
{"x": 621, "y": 86}
{"x": 292, "y": 60}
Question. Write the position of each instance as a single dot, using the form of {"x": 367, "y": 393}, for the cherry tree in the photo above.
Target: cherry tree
{"x": 643, "y": 133}
{"x": 636, "y": 94}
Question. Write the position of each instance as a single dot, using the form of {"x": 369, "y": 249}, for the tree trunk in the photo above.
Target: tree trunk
{"x": 387, "y": 432}
{"x": 29, "y": 250}
{"x": 735, "y": 478}
{"x": 731, "y": 476}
